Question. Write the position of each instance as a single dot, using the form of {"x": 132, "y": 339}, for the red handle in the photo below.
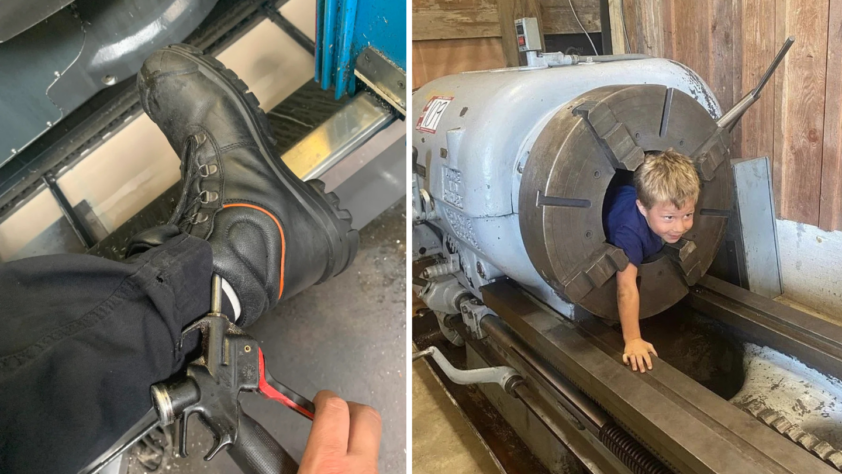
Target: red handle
{"x": 271, "y": 389}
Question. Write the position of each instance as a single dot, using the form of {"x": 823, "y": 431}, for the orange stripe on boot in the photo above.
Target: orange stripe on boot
{"x": 280, "y": 230}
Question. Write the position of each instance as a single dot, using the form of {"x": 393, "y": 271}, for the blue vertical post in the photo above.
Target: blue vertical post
{"x": 345, "y": 27}
{"x": 320, "y": 14}
{"x": 346, "y": 35}
{"x": 329, "y": 38}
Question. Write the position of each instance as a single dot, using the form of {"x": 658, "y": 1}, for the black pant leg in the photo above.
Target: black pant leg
{"x": 81, "y": 341}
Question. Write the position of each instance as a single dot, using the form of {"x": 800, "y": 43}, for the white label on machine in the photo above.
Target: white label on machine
{"x": 431, "y": 115}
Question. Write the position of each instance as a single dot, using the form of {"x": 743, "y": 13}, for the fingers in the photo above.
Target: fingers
{"x": 648, "y": 360}
{"x": 625, "y": 359}
{"x": 345, "y": 437}
{"x": 331, "y": 425}
{"x": 652, "y": 350}
{"x": 364, "y": 439}
{"x": 640, "y": 364}
{"x": 633, "y": 361}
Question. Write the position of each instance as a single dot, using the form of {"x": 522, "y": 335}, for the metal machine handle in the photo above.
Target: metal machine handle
{"x": 256, "y": 452}
{"x": 730, "y": 118}
{"x": 505, "y": 377}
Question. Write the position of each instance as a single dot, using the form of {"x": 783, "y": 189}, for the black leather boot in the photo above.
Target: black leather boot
{"x": 272, "y": 234}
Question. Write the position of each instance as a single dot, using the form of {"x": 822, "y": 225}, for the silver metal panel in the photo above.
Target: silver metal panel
{"x": 810, "y": 262}
{"x": 383, "y": 76}
{"x": 753, "y": 180}
{"x": 361, "y": 118}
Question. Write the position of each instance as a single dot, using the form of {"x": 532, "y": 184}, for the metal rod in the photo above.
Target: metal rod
{"x": 502, "y": 376}
{"x": 216, "y": 294}
{"x": 730, "y": 118}
{"x": 76, "y": 223}
{"x": 775, "y": 63}
{"x": 271, "y": 12}
{"x": 592, "y": 415}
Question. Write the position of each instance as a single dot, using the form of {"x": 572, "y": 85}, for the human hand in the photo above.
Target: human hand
{"x": 345, "y": 438}
{"x": 637, "y": 352}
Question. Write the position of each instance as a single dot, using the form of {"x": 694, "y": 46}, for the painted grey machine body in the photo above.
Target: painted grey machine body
{"x": 472, "y": 138}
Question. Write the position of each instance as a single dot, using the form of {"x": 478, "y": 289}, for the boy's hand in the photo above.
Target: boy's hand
{"x": 345, "y": 438}
{"x": 637, "y": 352}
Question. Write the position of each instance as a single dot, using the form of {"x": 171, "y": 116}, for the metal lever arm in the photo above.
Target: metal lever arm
{"x": 505, "y": 377}
{"x": 274, "y": 390}
{"x": 730, "y": 118}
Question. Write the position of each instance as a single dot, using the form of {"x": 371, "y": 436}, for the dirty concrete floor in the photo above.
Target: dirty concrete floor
{"x": 347, "y": 335}
{"x": 442, "y": 439}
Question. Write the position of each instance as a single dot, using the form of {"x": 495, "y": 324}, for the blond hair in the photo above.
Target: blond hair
{"x": 668, "y": 176}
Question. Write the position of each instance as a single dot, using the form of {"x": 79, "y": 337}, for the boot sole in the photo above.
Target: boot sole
{"x": 322, "y": 207}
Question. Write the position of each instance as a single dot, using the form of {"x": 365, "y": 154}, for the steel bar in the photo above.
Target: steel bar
{"x": 80, "y": 227}
{"x": 730, "y": 118}
{"x": 812, "y": 340}
{"x": 589, "y": 414}
{"x": 500, "y": 375}
{"x": 689, "y": 427}
{"x": 270, "y": 9}
{"x": 216, "y": 294}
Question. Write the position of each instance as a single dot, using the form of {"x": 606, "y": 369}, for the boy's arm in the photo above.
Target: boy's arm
{"x": 628, "y": 303}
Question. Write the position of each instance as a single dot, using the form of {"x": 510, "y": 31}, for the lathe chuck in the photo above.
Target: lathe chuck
{"x": 570, "y": 168}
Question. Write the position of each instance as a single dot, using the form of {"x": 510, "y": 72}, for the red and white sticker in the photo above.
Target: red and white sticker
{"x": 431, "y": 115}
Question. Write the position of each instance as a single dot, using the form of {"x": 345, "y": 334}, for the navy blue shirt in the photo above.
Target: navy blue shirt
{"x": 626, "y": 227}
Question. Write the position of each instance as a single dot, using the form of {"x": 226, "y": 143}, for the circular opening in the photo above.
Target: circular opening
{"x": 620, "y": 178}
{"x": 109, "y": 80}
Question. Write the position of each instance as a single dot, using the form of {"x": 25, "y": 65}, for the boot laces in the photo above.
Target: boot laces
{"x": 196, "y": 172}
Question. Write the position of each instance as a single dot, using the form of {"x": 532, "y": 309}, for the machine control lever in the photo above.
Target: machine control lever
{"x": 506, "y": 377}
{"x": 729, "y": 119}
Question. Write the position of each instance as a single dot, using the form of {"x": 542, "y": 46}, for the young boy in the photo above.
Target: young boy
{"x": 639, "y": 219}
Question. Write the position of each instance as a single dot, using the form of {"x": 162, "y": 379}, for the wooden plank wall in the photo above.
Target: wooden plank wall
{"x": 451, "y": 36}
{"x": 449, "y": 19}
{"x": 437, "y": 58}
{"x": 798, "y": 118}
